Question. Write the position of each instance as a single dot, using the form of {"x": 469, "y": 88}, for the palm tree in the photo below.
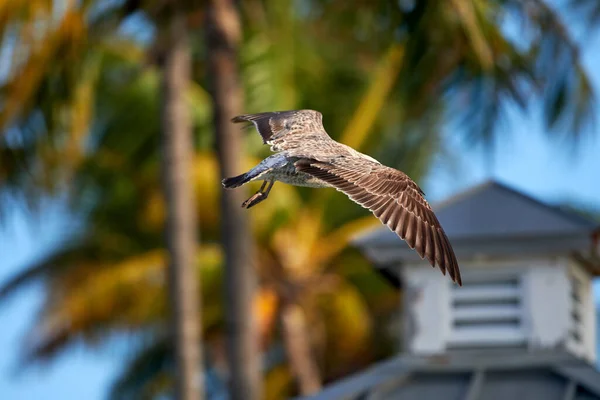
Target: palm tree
{"x": 92, "y": 295}
{"x": 127, "y": 290}
{"x": 337, "y": 295}
{"x": 456, "y": 54}
{"x": 390, "y": 37}
{"x": 181, "y": 229}
{"x": 61, "y": 54}
{"x": 50, "y": 68}
{"x": 223, "y": 36}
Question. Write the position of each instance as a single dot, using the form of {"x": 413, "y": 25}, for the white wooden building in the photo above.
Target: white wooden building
{"x": 523, "y": 286}
{"x": 526, "y": 303}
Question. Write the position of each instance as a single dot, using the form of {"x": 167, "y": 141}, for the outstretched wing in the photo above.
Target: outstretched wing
{"x": 280, "y": 125}
{"x": 396, "y": 200}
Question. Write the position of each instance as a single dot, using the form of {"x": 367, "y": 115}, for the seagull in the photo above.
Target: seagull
{"x": 305, "y": 155}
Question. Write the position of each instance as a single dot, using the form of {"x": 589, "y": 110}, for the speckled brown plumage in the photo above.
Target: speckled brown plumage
{"x": 307, "y": 156}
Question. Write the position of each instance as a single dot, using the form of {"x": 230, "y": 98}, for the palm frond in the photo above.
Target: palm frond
{"x": 97, "y": 300}
{"x": 148, "y": 375}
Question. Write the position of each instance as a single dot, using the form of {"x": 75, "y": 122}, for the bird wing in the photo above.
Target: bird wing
{"x": 396, "y": 200}
{"x": 281, "y": 127}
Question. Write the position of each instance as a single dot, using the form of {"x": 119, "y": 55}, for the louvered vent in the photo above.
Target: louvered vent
{"x": 487, "y": 311}
{"x": 576, "y": 309}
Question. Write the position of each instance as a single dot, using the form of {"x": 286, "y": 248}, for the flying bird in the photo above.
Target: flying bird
{"x": 305, "y": 155}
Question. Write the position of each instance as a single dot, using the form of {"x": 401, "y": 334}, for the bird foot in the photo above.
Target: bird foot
{"x": 254, "y": 200}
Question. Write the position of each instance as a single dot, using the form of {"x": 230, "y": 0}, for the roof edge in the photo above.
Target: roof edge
{"x": 591, "y": 224}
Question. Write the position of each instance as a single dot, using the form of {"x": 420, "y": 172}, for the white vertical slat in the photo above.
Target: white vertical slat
{"x": 548, "y": 306}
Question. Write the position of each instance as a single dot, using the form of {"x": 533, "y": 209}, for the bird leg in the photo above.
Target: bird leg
{"x": 259, "y": 196}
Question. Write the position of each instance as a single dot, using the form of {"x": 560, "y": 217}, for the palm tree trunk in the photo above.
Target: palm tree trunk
{"x": 298, "y": 349}
{"x": 222, "y": 41}
{"x": 181, "y": 226}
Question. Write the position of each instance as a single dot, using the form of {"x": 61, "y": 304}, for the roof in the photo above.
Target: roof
{"x": 495, "y": 214}
{"x": 484, "y": 375}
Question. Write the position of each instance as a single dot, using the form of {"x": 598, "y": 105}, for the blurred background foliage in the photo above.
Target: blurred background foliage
{"x": 79, "y": 123}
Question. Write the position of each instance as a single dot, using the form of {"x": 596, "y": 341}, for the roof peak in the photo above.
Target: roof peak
{"x": 496, "y": 210}
{"x": 491, "y": 182}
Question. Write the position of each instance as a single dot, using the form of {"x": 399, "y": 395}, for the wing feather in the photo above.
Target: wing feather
{"x": 278, "y": 126}
{"x": 396, "y": 200}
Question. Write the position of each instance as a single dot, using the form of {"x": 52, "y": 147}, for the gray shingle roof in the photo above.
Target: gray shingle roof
{"x": 493, "y": 219}
{"x": 493, "y": 209}
{"x": 479, "y": 376}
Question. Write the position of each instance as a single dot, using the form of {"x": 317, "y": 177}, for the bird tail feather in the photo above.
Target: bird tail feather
{"x": 236, "y": 181}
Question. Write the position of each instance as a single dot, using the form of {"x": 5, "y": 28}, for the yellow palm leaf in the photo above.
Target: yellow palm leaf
{"x": 265, "y": 309}
{"x": 332, "y": 244}
{"x": 38, "y": 56}
{"x": 81, "y": 111}
{"x": 126, "y": 295}
{"x": 278, "y": 383}
{"x": 348, "y": 325}
{"x": 294, "y": 244}
{"x": 373, "y": 101}
{"x": 467, "y": 13}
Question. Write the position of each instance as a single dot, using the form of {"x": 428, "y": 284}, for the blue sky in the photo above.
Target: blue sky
{"x": 79, "y": 374}
{"x": 529, "y": 163}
